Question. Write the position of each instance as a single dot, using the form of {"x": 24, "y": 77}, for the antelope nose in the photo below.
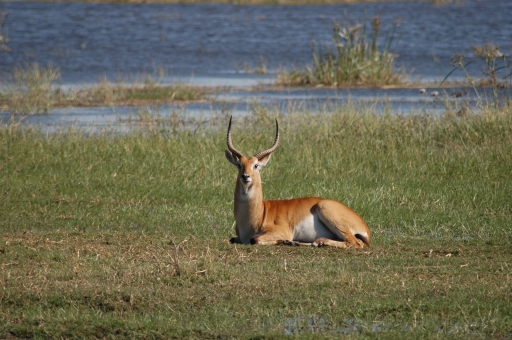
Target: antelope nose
{"x": 246, "y": 177}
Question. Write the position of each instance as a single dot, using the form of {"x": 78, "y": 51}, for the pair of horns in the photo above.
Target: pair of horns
{"x": 259, "y": 155}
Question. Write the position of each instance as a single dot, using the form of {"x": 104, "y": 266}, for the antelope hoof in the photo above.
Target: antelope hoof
{"x": 288, "y": 243}
{"x": 234, "y": 240}
{"x": 253, "y": 241}
{"x": 317, "y": 244}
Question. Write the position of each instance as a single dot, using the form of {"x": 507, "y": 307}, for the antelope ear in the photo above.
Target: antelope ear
{"x": 264, "y": 160}
{"x": 232, "y": 158}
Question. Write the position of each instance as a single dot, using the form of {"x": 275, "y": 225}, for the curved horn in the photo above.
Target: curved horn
{"x": 231, "y": 148}
{"x": 267, "y": 152}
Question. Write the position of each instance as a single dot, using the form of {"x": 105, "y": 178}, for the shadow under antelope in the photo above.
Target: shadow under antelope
{"x": 311, "y": 221}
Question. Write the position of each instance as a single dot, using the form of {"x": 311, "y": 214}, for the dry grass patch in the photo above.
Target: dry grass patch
{"x": 137, "y": 284}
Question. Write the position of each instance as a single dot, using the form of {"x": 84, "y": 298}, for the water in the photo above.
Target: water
{"x": 204, "y": 43}
{"x": 88, "y": 41}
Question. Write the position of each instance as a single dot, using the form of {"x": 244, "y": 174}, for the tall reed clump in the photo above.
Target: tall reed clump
{"x": 497, "y": 71}
{"x": 496, "y": 63}
{"x": 30, "y": 89}
{"x": 354, "y": 60}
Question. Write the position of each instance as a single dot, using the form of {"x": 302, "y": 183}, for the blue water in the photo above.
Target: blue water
{"x": 206, "y": 41}
{"x": 207, "y": 44}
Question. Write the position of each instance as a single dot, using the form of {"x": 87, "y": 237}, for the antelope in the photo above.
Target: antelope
{"x": 311, "y": 221}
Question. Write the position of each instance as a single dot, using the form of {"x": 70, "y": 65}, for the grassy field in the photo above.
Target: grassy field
{"x": 126, "y": 236}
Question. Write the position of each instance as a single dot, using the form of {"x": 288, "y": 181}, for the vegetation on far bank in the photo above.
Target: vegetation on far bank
{"x": 354, "y": 59}
{"x": 34, "y": 89}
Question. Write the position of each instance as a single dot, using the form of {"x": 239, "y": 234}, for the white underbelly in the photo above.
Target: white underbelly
{"x": 311, "y": 228}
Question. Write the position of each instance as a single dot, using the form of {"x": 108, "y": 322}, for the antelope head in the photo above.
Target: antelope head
{"x": 249, "y": 168}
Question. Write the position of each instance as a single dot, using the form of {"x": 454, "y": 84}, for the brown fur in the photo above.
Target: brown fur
{"x": 300, "y": 221}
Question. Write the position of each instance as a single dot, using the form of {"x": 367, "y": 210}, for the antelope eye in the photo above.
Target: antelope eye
{"x": 256, "y": 166}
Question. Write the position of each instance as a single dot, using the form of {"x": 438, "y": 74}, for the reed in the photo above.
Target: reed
{"x": 354, "y": 59}
{"x": 497, "y": 72}
{"x": 31, "y": 89}
{"x": 258, "y": 67}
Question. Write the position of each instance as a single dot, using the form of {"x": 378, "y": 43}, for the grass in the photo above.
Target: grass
{"x": 32, "y": 89}
{"x": 126, "y": 236}
{"x": 354, "y": 59}
{"x": 258, "y": 67}
{"x": 137, "y": 93}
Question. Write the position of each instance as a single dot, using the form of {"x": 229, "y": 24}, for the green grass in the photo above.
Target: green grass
{"x": 126, "y": 236}
{"x": 137, "y": 93}
{"x": 355, "y": 59}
